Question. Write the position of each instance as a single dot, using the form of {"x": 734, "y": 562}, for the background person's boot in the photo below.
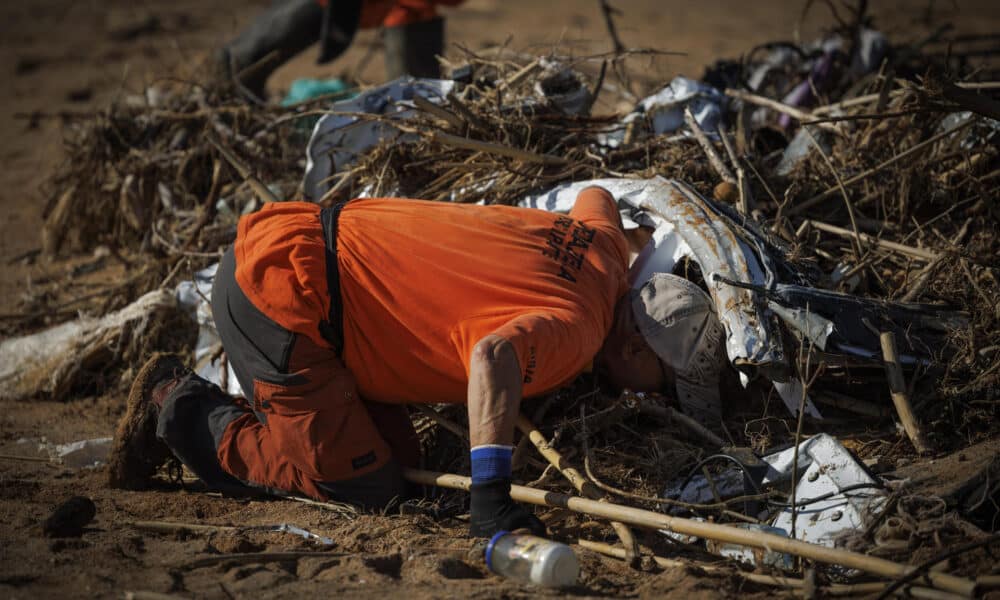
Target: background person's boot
{"x": 411, "y": 49}
{"x": 285, "y": 29}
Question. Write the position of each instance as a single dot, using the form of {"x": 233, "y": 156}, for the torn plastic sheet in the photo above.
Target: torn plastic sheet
{"x": 338, "y": 139}
{"x": 82, "y": 454}
{"x": 665, "y": 108}
{"x": 286, "y": 528}
{"x": 193, "y": 296}
{"x": 813, "y": 326}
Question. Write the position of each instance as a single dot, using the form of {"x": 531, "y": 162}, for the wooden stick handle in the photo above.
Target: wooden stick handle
{"x": 897, "y": 386}
{"x": 921, "y": 253}
{"x": 651, "y": 520}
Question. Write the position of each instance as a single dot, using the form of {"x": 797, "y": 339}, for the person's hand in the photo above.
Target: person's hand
{"x": 492, "y": 510}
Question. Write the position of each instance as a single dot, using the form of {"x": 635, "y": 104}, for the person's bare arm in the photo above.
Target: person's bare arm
{"x": 494, "y": 392}
{"x": 495, "y": 387}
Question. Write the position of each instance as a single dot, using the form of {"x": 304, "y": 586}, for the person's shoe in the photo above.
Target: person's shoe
{"x": 136, "y": 453}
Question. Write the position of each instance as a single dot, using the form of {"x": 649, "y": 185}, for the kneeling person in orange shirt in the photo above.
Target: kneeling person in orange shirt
{"x": 334, "y": 319}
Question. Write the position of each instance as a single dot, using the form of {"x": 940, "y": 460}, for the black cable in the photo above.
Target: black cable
{"x": 821, "y": 497}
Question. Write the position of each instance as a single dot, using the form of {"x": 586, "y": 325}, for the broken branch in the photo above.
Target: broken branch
{"x": 580, "y": 482}
{"x": 713, "y": 157}
{"x": 897, "y": 386}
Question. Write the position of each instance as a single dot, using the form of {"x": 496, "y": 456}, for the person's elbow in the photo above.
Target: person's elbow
{"x": 495, "y": 360}
{"x": 494, "y": 353}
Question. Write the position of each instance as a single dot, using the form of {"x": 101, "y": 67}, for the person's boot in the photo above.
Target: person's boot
{"x": 136, "y": 453}
{"x": 285, "y": 29}
{"x": 412, "y": 49}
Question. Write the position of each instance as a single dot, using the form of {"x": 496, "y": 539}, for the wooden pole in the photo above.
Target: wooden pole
{"x": 581, "y": 483}
{"x": 926, "y": 255}
{"x": 897, "y": 386}
{"x": 780, "y": 107}
{"x": 755, "y": 539}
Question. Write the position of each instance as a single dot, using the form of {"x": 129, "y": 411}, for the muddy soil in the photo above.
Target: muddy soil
{"x": 61, "y": 57}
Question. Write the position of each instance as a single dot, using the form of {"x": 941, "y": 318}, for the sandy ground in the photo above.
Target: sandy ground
{"x": 60, "y": 56}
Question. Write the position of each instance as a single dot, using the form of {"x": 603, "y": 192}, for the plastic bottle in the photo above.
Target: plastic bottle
{"x": 531, "y": 559}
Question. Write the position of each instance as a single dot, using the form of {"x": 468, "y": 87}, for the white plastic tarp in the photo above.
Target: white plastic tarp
{"x": 194, "y": 297}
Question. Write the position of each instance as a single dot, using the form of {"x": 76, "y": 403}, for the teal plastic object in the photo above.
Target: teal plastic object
{"x": 307, "y": 89}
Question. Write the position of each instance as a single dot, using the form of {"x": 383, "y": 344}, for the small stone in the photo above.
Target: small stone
{"x": 70, "y": 517}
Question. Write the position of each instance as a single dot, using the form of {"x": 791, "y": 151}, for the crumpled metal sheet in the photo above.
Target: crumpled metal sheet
{"x": 835, "y": 493}
{"x": 690, "y": 227}
{"x": 856, "y": 497}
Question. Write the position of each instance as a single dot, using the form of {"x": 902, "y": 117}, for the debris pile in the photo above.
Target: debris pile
{"x": 862, "y": 177}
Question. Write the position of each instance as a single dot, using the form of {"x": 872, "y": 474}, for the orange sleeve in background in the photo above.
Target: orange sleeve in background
{"x": 393, "y": 13}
